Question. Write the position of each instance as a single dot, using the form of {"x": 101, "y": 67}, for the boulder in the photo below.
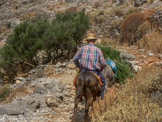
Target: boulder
{"x": 52, "y": 101}
{"x": 11, "y": 109}
{"x": 39, "y": 89}
{"x": 138, "y": 3}
{"x": 127, "y": 56}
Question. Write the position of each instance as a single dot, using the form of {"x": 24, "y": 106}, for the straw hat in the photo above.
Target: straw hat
{"x": 91, "y": 36}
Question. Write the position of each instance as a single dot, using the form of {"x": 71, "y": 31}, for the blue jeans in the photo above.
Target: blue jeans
{"x": 102, "y": 79}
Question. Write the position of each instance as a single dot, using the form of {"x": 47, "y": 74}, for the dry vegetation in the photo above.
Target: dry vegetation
{"x": 152, "y": 41}
{"x": 139, "y": 100}
{"x": 7, "y": 94}
{"x": 129, "y": 26}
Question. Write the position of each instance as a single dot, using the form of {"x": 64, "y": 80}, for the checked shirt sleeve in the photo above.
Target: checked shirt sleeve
{"x": 101, "y": 58}
{"x": 77, "y": 55}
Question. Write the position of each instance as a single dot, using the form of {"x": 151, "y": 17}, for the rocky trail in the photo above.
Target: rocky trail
{"x": 48, "y": 94}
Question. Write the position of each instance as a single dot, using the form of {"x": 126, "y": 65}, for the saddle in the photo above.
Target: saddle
{"x": 98, "y": 78}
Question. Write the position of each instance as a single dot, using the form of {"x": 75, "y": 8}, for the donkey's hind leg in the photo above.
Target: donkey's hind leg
{"x": 89, "y": 100}
{"x": 76, "y": 101}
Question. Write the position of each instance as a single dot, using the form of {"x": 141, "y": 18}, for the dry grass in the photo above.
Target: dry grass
{"x": 9, "y": 93}
{"x": 131, "y": 10}
{"x": 152, "y": 41}
{"x": 133, "y": 102}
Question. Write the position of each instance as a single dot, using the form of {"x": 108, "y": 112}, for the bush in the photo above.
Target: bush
{"x": 64, "y": 34}
{"x": 4, "y": 91}
{"x": 139, "y": 100}
{"x": 131, "y": 10}
{"x": 123, "y": 69}
{"x": 115, "y": 24}
{"x": 130, "y": 25}
{"x": 144, "y": 28}
{"x": 118, "y": 12}
{"x": 58, "y": 39}
{"x": 152, "y": 41}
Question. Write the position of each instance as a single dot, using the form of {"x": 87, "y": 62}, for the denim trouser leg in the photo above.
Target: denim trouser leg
{"x": 103, "y": 82}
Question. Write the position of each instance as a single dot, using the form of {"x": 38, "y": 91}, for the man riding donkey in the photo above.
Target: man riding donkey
{"x": 92, "y": 59}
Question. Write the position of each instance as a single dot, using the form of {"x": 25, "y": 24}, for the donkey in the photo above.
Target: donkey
{"x": 87, "y": 85}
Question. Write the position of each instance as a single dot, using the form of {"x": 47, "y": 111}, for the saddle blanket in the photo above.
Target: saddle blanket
{"x": 98, "y": 78}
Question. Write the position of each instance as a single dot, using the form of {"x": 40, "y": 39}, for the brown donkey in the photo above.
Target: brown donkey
{"x": 87, "y": 85}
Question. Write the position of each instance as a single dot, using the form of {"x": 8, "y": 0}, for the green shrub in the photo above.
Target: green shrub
{"x": 123, "y": 68}
{"x": 115, "y": 24}
{"x": 144, "y": 28}
{"x": 131, "y": 10}
{"x": 4, "y": 91}
{"x": 58, "y": 39}
{"x": 118, "y": 12}
{"x": 64, "y": 34}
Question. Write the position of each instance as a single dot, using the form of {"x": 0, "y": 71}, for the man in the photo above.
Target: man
{"x": 91, "y": 58}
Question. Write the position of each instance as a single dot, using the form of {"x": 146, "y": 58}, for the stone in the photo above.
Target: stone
{"x": 2, "y": 2}
{"x": 20, "y": 84}
{"x": 14, "y": 23}
{"x": 11, "y": 109}
{"x": 150, "y": 53}
{"x": 51, "y": 101}
{"x": 58, "y": 65}
{"x": 71, "y": 66}
{"x": 133, "y": 62}
{"x": 141, "y": 50}
{"x": 136, "y": 68}
{"x": 39, "y": 89}
{"x": 60, "y": 96}
{"x": 1, "y": 81}
{"x": 159, "y": 56}
{"x": 158, "y": 63}
{"x": 127, "y": 56}
{"x": 138, "y": 3}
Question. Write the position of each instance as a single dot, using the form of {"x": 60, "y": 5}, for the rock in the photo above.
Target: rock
{"x": 2, "y": 2}
{"x": 60, "y": 96}
{"x": 31, "y": 103}
{"x": 133, "y": 62}
{"x": 51, "y": 101}
{"x": 39, "y": 89}
{"x": 50, "y": 85}
{"x": 123, "y": 51}
{"x": 71, "y": 66}
{"x": 127, "y": 56}
{"x": 141, "y": 50}
{"x": 13, "y": 23}
{"x": 11, "y": 109}
{"x": 58, "y": 65}
{"x": 20, "y": 81}
{"x": 150, "y": 53}
{"x": 138, "y": 3}
{"x": 19, "y": 85}
{"x": 159, "y": 56}
{"x": 158, "y": 64}
{"x": 136, "y": 68}
{"x": 1, "y": 81}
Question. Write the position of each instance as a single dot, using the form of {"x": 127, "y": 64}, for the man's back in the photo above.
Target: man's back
{"x": 90, "y": 57}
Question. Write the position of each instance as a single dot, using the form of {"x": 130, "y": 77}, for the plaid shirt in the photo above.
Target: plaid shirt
{"x": 90, "y": 57}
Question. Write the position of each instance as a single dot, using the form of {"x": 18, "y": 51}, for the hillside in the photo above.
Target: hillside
{"x": 46, "y": 92}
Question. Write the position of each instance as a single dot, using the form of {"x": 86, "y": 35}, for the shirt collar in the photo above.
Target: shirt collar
{"x": 91, "y": 44}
